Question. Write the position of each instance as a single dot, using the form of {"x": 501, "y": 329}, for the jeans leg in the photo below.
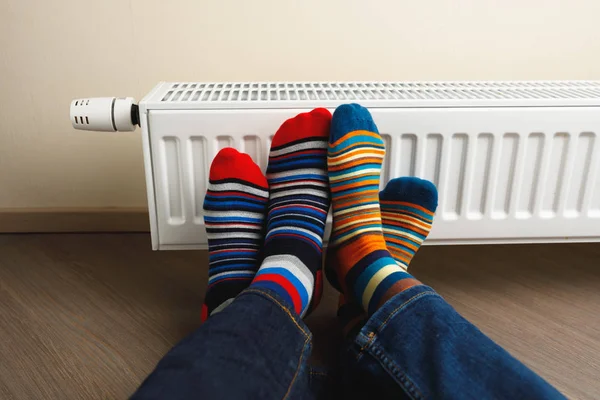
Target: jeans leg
{"x": 418, "y": 347}
{"x": 256, "y": 348}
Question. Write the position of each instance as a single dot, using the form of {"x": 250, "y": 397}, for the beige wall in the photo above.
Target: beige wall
{"x": 53, "y": 51}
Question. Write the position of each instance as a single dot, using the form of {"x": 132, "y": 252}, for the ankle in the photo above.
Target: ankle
{"x": 397, "y": 288}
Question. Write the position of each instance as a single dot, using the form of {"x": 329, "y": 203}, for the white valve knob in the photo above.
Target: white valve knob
{"x": 108, "y": 114}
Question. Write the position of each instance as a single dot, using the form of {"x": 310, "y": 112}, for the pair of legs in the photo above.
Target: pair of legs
{"x": 404, "y": 340}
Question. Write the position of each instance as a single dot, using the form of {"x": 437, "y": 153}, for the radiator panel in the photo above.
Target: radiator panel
{"x": 504, "y": 174}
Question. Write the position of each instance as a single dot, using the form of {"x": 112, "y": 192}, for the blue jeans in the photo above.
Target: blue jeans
{"x": 416, "y": 347}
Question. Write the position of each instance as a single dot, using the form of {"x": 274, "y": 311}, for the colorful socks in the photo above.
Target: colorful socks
{"x": 297, "y": 210}
{"x": 234, "y": 213}
{"x": 365, "y": 269}
{"x": 371, "y": 245}
{"x": 407, "y": 208}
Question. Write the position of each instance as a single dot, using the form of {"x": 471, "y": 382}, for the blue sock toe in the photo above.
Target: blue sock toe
{"x": 349, "y": 118}
{"x": 413, "y": 190}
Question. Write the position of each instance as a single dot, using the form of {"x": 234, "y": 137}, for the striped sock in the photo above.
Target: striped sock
{"x": 234, "y": 213}
{"x": 365, "y": 269}
{"x": 298, "y": 206}
{"x": 407, "y": 208}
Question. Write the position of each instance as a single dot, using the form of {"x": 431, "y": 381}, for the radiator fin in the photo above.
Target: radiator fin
{"x": 251, "y": 145}
{"x": 433, "y": 156}
{"x": 530, "y": 173}
{"x": 579, "y": 184}
{"x": 503, "y": 182}
{"x": 407, "y": 155}
{"x": 455, "y": 176}
{"x": 553, "y": 181}
{"x": 480, "y": 176}
{"x": 172, "y": 177}
{"x": 375, "y": 91}
{"x": 199, "y": 158}
{"x": 222, "y": 142}
{"x": 592, "y": 198}
{"x": 386, "y": 166}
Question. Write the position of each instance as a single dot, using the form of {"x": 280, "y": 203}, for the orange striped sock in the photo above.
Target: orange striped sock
{"x": 407, "y": 208}
{"x": 365, "y": 270}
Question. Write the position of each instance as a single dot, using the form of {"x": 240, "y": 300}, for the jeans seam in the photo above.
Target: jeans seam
{"x": 378, "y": 354}
{"x": 283, "y": 308}
{"x": 394, "y": 369}
{"x": 291, "y": 317}
{"x": 403, "y": 305}
{"x": 298, "y": 367}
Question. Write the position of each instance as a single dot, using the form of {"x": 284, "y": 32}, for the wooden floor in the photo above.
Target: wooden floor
{"x": 87, "y": 316}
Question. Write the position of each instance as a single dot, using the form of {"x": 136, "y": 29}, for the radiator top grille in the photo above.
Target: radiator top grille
{"x": 247, "y": 94}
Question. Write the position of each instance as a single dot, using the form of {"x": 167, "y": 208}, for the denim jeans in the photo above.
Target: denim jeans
{"x": 416, "y": 347}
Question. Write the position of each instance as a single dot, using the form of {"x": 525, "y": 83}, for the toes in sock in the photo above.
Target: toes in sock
{"x": 365, "y": 270}
{"x": 234, "y": 213}
{"x": 407, "y": 208}
{"x": 297, "y": 211}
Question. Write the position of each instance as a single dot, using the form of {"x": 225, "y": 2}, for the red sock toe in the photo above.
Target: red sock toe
{"x": 231, "y": 164}
{"x": 316, "y": 122}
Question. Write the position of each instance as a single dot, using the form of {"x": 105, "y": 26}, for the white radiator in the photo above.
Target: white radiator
{"x": 514, "y": 162}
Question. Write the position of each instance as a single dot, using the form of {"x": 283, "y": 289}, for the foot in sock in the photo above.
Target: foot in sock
{"x": 407, "y": 208}
{"x": 297, "y": 211}
{"x": 234, "y": 213}
{"x": 365, "y": 269}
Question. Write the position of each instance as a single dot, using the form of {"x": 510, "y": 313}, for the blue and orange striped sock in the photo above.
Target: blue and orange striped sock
{"x": 366, "y": 271}
{"x": 407, "y": 208}
{"x": 297, "y": 211}
{"x": 234, "y": 213}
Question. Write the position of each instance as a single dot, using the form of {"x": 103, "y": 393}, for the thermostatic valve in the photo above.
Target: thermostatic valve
{"x": 108, "y": 114}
